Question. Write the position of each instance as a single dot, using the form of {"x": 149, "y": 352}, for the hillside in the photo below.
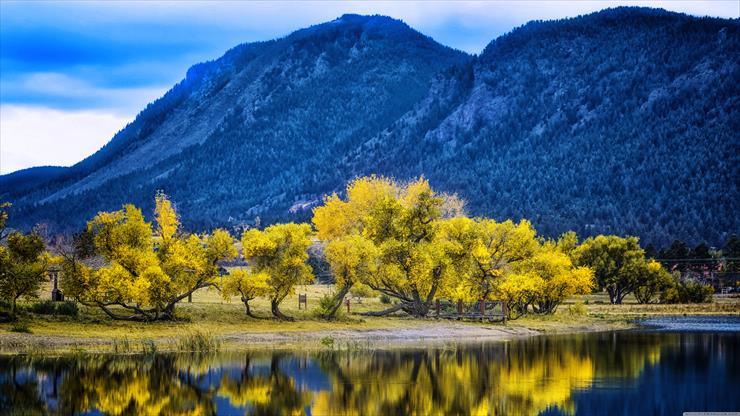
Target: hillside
{"x": 623, "y": 121}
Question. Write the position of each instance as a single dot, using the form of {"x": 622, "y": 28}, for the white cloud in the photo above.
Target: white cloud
{"x": 34, "y": 136}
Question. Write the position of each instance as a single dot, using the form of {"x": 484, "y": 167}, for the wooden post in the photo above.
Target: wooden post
{"x": 505, "y": 310}
{"x": 190, "y": 298}
{"x": 482, "y": 305}
{"x": 302, "y": 299}
{"x": 459, "y": 308}
{"x": 437, "y": 307}
{"x": 56, "y": 294}
{"x": 347, "y": 302}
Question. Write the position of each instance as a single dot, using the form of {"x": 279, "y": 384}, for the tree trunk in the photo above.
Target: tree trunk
{"x": 249, "y": 311}
{"x": 337, "y": 302}
{"x": 388, "y": 311}
{"x": 275, "y": 306}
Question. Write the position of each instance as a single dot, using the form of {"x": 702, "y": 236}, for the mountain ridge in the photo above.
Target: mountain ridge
{"x": 597, "y": 106}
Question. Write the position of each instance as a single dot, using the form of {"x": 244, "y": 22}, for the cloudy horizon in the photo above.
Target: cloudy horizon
{"x": 72, "y": 74}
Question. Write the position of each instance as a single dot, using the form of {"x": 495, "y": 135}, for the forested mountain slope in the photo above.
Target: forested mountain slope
{"x": 624, "y": 121}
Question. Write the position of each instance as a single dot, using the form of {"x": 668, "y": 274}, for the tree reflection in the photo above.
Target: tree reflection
{"x": 529, "y": 376}
{"x": 274, "y": 393}
{"x": 519, "y": 378}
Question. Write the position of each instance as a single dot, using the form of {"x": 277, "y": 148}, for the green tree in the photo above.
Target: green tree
{"x": 731, "y": 250}
{"x": 4, "y": 207}
{"x": 23, "y": 267}
{"x": 616, "y": 262}
{"x": 652, "y": 280}
{"x": 280, "y": 252}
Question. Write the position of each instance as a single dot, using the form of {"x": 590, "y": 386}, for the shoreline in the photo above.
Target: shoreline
{"x": 417, "y": 334}
{"x": 209, "y": 324}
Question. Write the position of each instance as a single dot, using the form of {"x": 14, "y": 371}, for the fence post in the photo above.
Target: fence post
{"x": 347, "y": 305}
{"x": 459, "y": 308}
{"x": 436, "y": 305}
{"x": 505, "y": 310}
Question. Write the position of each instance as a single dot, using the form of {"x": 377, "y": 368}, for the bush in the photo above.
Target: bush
{"x": 21, "y": 327}
{"x": 49, "y": 307}
{"x": 67, "y": 308}
{"x": 45, "y": 307}
{"x": 577, "y": 309}
{"x": 686, "y": 290}
{"x": 385, "y": 299}
{"x": 326, "y": 304}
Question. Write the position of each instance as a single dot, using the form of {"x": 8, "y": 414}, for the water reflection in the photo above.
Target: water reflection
{"x": 608, "y": 373}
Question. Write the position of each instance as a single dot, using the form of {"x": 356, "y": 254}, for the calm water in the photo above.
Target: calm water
{"x": 645, "y": 372}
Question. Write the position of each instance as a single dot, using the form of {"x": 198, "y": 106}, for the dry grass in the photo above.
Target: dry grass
{"x": 209, "y": 313}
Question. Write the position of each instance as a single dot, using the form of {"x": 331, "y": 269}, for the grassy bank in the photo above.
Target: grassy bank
{"x": 210, "y": 321}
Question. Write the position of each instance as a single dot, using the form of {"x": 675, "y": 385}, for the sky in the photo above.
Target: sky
{"x": 72, "y": 74}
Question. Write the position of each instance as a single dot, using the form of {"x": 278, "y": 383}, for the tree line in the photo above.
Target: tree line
{"x": 402, "y": 240}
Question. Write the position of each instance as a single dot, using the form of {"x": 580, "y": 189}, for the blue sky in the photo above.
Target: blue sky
{"x": 74, "y": 73}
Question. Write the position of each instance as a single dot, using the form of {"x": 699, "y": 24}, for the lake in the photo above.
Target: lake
{"x": 673, "y": 365}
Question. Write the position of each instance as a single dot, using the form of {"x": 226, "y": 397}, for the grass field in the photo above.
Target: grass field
{"x": 210, "y": 314}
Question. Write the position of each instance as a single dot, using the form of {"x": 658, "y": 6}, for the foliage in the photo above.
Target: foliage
{"x": 147, "y": 270}
{"x": 23, "y": 266}
{"x": 686, "y": 290}
{"x": 482, "y": 252}
{"x": 362, "y": 291}
{"x": 616, "y": 262}
{"x": 247, "y": 286}
{"x": 20, "y": 327}
{"x": 49, "y": 307}
{"x": 281, "y": 252}
{"x": 330, "y": 307}
{"x": 353, "y": 259}
{"x": 653, "y": 279}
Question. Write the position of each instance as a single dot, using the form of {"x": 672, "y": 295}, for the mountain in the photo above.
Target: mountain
{"x": 25, "y": 180}
{"x": 623, "y": 121}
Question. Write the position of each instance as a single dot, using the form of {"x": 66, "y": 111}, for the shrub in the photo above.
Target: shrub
{"x": 385, "y": 299}
{"x": 49, "y": 307}
{"x": 20, "y": 326}
{"x": 46, "y": 307}
{"x": 67, "y": 308}
{"x": 577, "y": 309}
{"x": 326, "y": 305}
{"x": 686, "y": 290}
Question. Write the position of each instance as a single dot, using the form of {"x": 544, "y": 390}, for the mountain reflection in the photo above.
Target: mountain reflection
{"x": 552, "y": 375}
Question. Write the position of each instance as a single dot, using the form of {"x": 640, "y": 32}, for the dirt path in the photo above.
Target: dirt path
{"x": 425, "y": 334}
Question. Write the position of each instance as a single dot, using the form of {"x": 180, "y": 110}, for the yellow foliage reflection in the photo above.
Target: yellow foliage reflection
{"x": 520, "y": 377}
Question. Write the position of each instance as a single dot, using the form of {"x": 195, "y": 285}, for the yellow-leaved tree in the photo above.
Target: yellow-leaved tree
{"x": 401, "y": 222}
{"x": 247, "y": 285}
{"x": 144, "y": 270}
{"x": 281, "y": 252}
{"x": 353, "y": 259}
{"x": 487, "y": 251}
